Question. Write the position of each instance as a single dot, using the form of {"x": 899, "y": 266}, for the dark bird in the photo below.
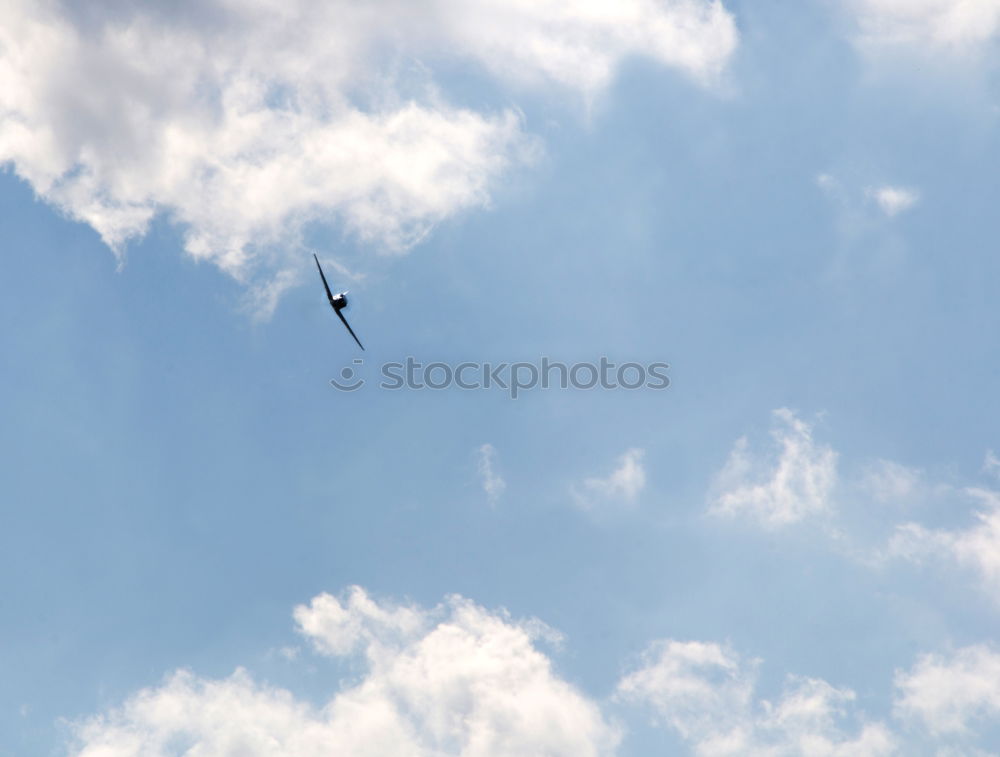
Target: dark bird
{"x": 338, "y": 302}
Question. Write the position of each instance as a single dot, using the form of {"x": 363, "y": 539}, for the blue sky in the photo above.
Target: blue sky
{"x": 793, "y": 207}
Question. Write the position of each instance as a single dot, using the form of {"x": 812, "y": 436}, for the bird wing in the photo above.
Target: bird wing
{"x": 341, "y": 317}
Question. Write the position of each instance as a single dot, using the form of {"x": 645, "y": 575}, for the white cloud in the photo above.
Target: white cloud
{"x": 976, "y": 547}
{"x": 991, "y": 464}
{"x": 579, "y": 44}
{"x": 457, "y": 679}
{"x": 246, "y": 122}
{"x": 887, "y": 481}
{"x": 851, "y": 199}
{"x": 827, "y": 183}
{"x": 453, "y": 680}
{"x": 955, "y": 25}
{"x": 893, "y": 200}
{"x": 339, "y": 627}
{"x": 622, "y": 485}
{"x": 793, "y": 483}
{"x": 706, "y": 693}
{"x": 493, "y": 483}
{"x": 948, "y": 694}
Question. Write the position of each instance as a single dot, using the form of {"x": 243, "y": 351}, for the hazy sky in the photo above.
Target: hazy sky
{"x": 209, "y": 550}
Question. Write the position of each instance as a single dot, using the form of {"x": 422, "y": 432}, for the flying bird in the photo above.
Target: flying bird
{"x": 338, "y": 302}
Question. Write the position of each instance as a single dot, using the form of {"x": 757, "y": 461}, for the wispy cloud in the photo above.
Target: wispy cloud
{"x": 976, "y": 547}
{"x": 493, "y": 483}
{"x": 706, "y": 693}
{"x": 623, "y": 484}
{"x": 890, "y": 482}
{"x": 797, "y": 480}
{"x": 927, "y": 24}
{"x": 892, "y": 200}
{"x": 991, "y": 464}
{"x": 792, "y": 482}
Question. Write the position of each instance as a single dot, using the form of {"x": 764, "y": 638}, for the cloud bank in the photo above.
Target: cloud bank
{"x": 452, "y": 680}
{"x": 245, "y": 122}
{"x": 457, "y": 679}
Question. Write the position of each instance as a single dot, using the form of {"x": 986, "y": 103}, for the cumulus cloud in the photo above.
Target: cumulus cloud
{"x": 706, "y": 693}
{"x": 892, "y": 200}
{"x": 976, "y": 547}
{"x": 451, "y": 680}
{"x": 792, "y": 483}
{"x": 457, "y": 679}
{"x": 622, "y": 485}
{"x": 947, "y": 694}
{"x": 246, "y": 122}
{"x": 956, "y": 25}
{"x": 492, "y": 481}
